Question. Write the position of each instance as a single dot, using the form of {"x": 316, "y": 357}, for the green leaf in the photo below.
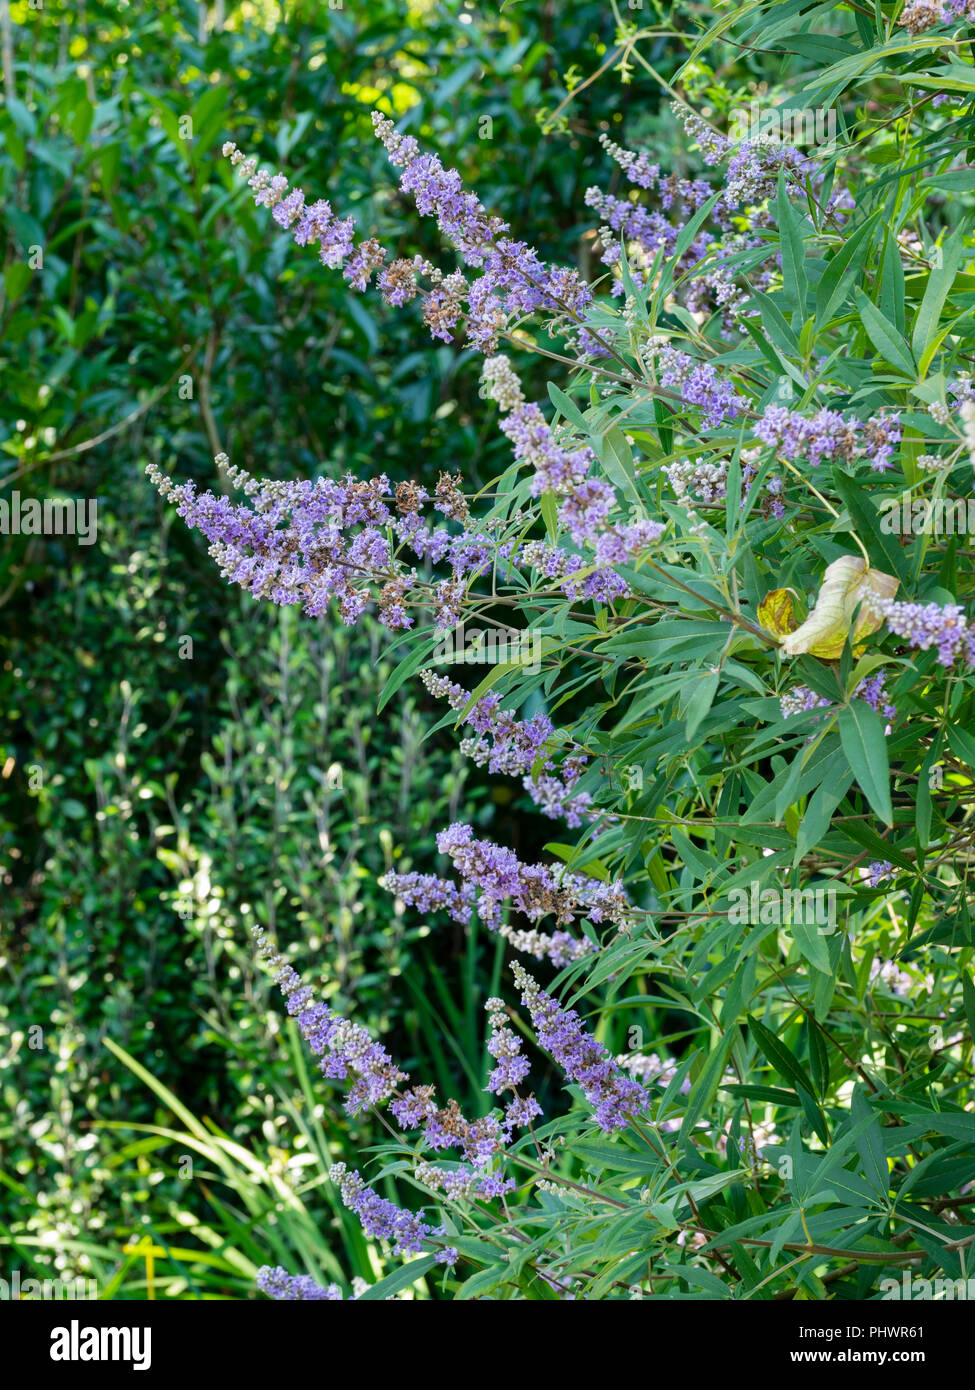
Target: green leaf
{"x": 818, "y": 1056}
{"x": 16, "y": 279}
{"x": 811, "y": 941}
{"x": 870, "y": 1142}
{"x": 862, "y": 737}
{"x": 925, "y": 805}
{"x": 663, "y": 281}
{"x": 550, "y": 515}
{"x": 793, "y": 252}
{"x": 774, "y": 323}
{"x": 616, "y": 1157}
{"x": 703, "y": 688}
{"x": 704, "y": 1088}
{"x": 968, "y": 994}
{"x": 818, "y": 814}
{"x": 400, "y": 1279}
{"x": 406, "y": 668}
{"x": 842, "y": 269}
{"x": 774, "y": 1094}
{"x": 892, "y": 284}
{"x": 616, "y": 457}
{"x": 780, "y": 1057}
{"x": 866, "y": 521}
{"x": 939, "y": 283}
{"x": 885, "y": 336}
{"x": 952, "y": 181}
{"x": 962, "y": 744}
{"x": 567, "y": 406}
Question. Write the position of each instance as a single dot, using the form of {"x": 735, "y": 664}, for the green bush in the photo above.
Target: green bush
{"x": 755, "y": 669}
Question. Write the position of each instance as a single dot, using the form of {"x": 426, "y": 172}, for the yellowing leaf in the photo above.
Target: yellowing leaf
{"x": 847, "y": 582}
{"x": 775, "y": 612}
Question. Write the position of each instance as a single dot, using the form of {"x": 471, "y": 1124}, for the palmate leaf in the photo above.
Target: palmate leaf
{"x": 828, "y": 84}
{"x": 892, "y": 284}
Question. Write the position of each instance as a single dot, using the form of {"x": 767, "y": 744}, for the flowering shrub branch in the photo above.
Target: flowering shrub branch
{"x": 755, "y": 686}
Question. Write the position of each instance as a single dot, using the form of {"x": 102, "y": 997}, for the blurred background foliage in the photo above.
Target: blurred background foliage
{"x": 176, "y": 761}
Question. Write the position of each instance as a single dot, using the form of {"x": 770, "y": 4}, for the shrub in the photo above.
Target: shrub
{"x": 139, "y": 320}
{"x": 756, "y": 682}
{"x": 740, "y": 1063}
